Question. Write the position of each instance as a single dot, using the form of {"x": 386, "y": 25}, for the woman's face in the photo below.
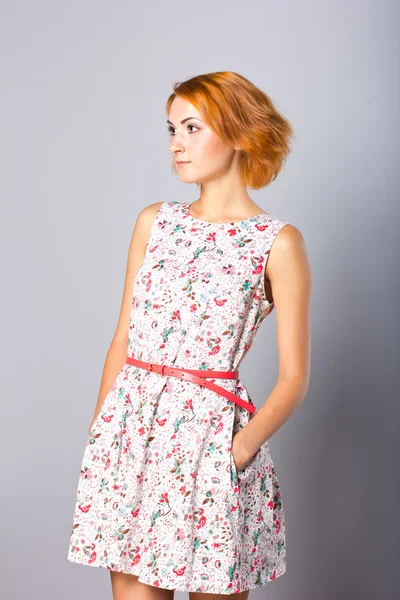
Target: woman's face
{"x": 194, "y": 142}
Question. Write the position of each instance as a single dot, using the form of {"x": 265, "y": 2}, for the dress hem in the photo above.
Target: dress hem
{"x": 179, "y": 589}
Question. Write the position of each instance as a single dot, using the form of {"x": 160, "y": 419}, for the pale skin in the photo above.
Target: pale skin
{"x": 223, "y": 198}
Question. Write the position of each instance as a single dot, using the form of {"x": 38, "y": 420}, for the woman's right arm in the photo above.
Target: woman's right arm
{"x": 118, "y": 350}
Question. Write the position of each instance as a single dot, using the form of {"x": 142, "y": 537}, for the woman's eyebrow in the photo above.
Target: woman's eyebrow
{"x": 183, "y": 121}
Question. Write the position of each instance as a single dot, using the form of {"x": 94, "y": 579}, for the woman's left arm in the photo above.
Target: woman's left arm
{"x": 289, "y": 273}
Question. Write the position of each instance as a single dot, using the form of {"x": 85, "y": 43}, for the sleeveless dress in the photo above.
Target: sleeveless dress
{"x": 159, "y": 495}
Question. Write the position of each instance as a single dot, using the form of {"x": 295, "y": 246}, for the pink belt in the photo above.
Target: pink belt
{"x": 196, "y": 376}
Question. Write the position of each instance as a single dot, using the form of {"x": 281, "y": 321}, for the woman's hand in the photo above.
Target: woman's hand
{"x": 240, "y": 456}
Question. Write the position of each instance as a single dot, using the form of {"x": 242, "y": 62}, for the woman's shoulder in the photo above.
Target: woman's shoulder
{"x": 150, "y": 211}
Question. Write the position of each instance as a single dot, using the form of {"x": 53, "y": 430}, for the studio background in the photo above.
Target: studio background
{"x": 84, "y": 147}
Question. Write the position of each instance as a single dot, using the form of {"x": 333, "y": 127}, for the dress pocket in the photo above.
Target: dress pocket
{"x": 240, "y": 475}
{"x": 106, "y": 413}
{"x": 98, "y": 422}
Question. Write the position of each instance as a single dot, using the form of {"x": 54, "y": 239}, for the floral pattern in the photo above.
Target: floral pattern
{"x": 159, "y": 495}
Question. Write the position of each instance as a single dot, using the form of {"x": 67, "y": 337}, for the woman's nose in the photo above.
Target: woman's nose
{"x": 176, "y": 145}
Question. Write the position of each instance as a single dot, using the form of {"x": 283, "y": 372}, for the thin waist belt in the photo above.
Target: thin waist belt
{"x": 196, "y": 376}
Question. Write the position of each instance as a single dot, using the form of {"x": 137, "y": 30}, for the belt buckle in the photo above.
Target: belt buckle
{"x": 155, "y": 370}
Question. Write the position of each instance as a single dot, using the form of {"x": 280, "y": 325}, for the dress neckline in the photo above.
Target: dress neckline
{"x": 230, "y": 223}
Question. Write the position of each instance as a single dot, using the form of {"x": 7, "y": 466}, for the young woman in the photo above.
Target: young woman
{"x": 178, "y": 490}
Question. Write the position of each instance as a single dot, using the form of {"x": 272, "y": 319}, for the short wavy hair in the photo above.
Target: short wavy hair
{"x": 245, "y": 117}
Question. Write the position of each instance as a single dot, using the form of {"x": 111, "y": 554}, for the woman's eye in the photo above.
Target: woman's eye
{"x": 171, "y": 130}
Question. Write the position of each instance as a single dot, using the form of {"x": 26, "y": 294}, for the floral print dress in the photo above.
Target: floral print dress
{"x": 159, "y": 495}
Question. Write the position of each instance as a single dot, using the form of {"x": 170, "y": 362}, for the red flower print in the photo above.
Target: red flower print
{"x": 215, "y": 350}
{"x": 161, "y": 422}
{"x": 180, "y": 571}
{"x": 220, "y": 302}
{"x": 258, "y": 269}
{"x": 136, "y": 560}
{"x": 85, "y": 509}
{"x": 202, "y": 522}
{"x": 219, "y": 427}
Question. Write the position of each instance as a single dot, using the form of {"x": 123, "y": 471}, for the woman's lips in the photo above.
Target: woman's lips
{"x": 182, "y": 163}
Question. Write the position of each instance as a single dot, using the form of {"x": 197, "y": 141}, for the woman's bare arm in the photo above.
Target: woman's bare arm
{"x": 118, "y": 350}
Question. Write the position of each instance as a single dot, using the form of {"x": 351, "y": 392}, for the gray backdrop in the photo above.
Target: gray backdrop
{"x": 84, "y": 147}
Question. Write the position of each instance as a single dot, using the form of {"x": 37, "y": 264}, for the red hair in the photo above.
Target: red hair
{"x": 245, "y": 117}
